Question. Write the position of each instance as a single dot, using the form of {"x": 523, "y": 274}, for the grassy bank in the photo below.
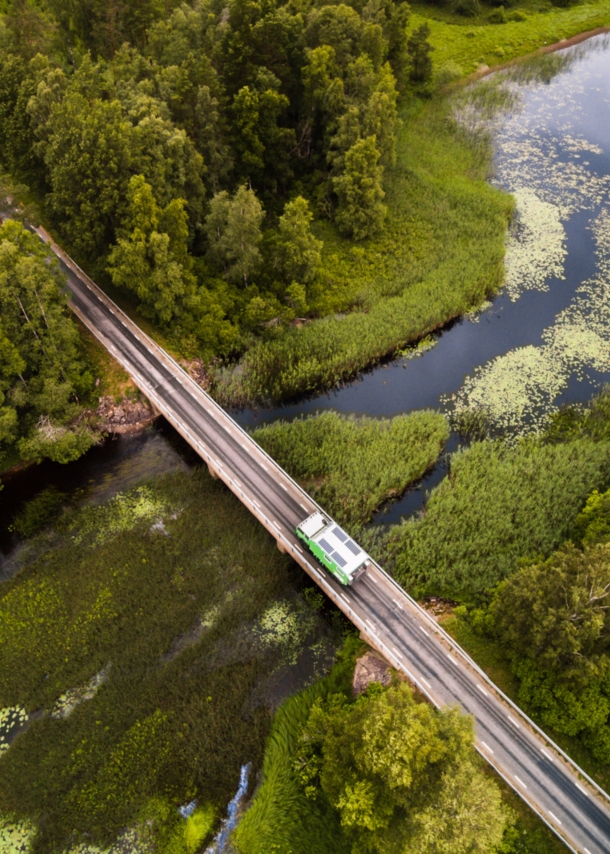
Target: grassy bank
{"x": 153, "y": 637}
{"x": 440, "y": 255}
{"x": 351, "y": 465}
{"x": 471, "y": 42}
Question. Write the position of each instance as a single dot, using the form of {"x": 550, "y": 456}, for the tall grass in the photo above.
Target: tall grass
{"x": 282, "y": 819}
{"x": 441, "y": 254}
{"x": 498, "y": 504}
{"x": 351, "y": 465}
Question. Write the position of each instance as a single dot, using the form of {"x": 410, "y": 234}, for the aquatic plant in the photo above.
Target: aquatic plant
{"x": 11, "y": 719}
{"x": 536, "y": 244}
{"x": 499, "y": 504}
{"x": 518, "y": 390}
{"x": 172, "y": 728}
{"x": 16, "y": 835}
{"x": 122, "y": 513}
{"x": 72, "y": 698}
{"x": 285, "y": 628}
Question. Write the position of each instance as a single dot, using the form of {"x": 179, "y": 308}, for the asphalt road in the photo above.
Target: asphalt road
{"x": 390, "y": 620}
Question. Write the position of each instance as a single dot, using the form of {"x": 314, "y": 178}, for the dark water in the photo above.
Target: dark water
{"x": 557, "y": 143}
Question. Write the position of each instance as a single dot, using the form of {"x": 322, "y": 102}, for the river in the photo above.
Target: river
{"x": 543, "y": 342}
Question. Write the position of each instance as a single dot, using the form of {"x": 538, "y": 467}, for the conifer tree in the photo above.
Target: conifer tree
{"x": 419, "y": 50}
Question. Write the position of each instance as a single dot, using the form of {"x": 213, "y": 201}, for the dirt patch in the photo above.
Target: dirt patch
{"x": 198, "y": 372}
{"x": 127, "y": 416}
{"x": 438, "y": 607}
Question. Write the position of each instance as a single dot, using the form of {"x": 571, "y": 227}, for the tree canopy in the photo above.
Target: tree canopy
{"x": 44, "y": 377}
{"x": 256, "y": 119}
{"x": 402, "y": 775}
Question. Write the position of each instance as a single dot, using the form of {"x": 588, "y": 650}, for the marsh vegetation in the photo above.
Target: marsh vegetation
{"x": 352, "y": 465}
{"x": 144, "y": 648}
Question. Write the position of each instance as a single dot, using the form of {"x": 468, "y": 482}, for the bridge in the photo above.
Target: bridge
{"x": 561, "y": 793}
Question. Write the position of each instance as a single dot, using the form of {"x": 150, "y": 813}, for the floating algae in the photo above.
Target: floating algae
{"x": 517, "y": 390}
{"x": 544, "y": 158}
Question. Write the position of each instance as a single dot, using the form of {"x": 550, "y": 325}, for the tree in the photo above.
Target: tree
{"x": 298, "y": 252}
{"x": 381, "y": 116}
{"x": 419, "y": 50}
{"x": 43, "y": 375}
{"x": 88, "y": 157}
{"x": 31, "y": 30}
{"x": 262, "y": 146}
{"x": 151, "y": 258}
{"x": 593, "y": 524}
{"x": 558, "y": 612}
{"x": 402, "y": 775}
{"x": 233, "y": 229}
{"x": 210, "y": 141}
{"x": 396, "y": 33}
{"x": 17, "y": 138}
{"x": 361, "y": 211}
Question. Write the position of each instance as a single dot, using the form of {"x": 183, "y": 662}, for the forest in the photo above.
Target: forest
{"x": 280, "y": 193}
{"x": 183, "y": 152}
{"x": 269, "y": 188}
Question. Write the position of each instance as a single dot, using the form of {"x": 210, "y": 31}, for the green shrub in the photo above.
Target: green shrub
{"x": 198, "y": 827}
{"x": 39, "y": 512}
{"x": 498, "y": 16}
{"x": 468, "y": 8}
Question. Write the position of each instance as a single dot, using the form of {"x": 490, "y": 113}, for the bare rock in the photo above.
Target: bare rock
{"x": 128, "y": 416}
{"x": 371, "y": 667}
{"x": 439, "y": 607}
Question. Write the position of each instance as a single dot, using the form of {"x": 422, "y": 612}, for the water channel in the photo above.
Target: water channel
{"x": 543, "y": 342}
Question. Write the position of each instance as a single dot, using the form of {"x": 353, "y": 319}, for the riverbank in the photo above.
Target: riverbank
{"x": 527, "y": 29}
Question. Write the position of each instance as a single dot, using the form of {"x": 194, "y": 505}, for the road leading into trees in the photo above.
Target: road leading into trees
{"x": 571, "y": 804}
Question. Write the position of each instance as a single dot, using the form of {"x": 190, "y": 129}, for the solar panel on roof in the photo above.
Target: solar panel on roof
{"x": 351, "y": 545}
{"x": 328, "y": 549}
{"x": 339, "y": 534}
{"x": 338, "y": 559}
